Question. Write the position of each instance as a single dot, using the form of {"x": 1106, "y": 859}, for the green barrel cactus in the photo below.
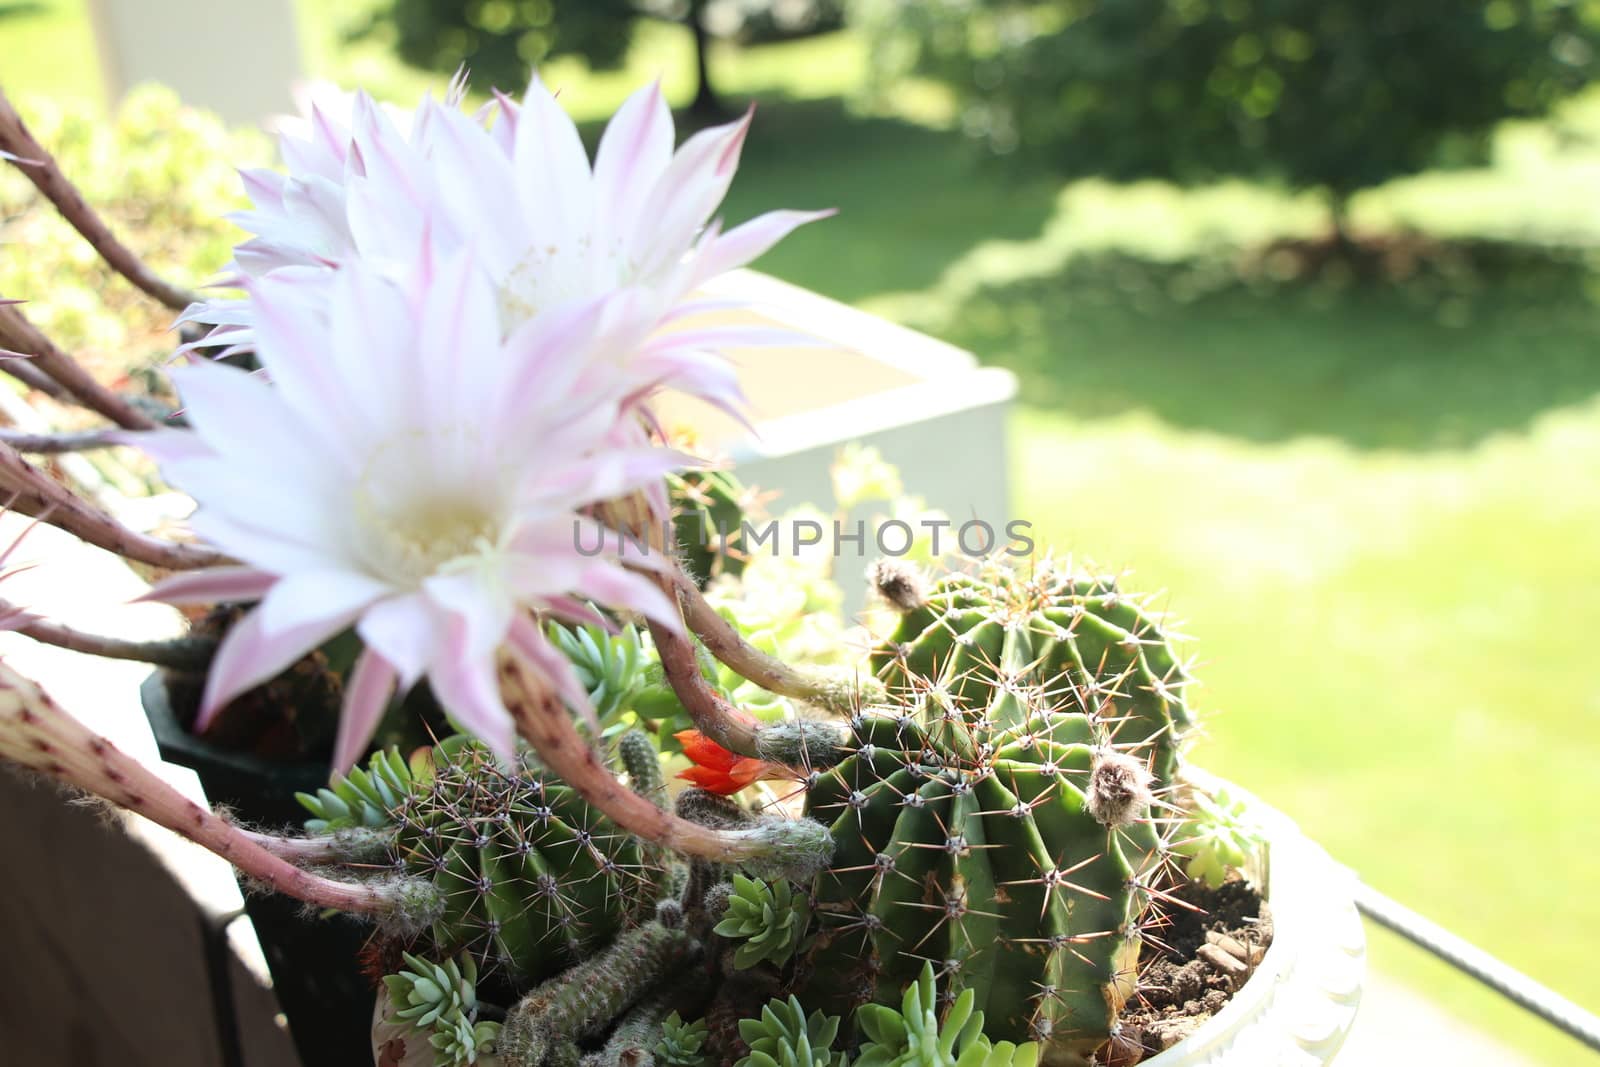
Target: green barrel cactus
{"x": 995, "y": 818}
{"x": 708, "y": 508}
{"x": 530, "y": 875}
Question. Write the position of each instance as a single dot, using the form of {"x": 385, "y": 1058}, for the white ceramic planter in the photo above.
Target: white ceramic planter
{"x": 1296, "y": 1010}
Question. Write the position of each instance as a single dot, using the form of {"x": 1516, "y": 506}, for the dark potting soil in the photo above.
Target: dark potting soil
{"x": 1189, "y": 968}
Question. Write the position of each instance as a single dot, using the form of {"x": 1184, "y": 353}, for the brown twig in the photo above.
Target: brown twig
{"x": 724, "y": 641}
{"x": 180, "y": 653}
{"x": 713, "y": 715}
{"x": 37, "y": 733}
{"x": 20, "y": 335}
{"x": 42, "y": 170}
{"x": 544, "y": 722}
{"x": 23, "y": 370}
{"x": 52, "y": 444}
{"x": 35, "y": 494}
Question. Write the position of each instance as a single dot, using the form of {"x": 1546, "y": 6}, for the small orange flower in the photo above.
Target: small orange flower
{"x": 719, "y": 771}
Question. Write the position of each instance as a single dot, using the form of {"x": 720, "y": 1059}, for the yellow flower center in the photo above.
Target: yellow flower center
{"x": 415, "y": 544}
{"x": 550, "y": 275}
{"x": 408, "y": 529}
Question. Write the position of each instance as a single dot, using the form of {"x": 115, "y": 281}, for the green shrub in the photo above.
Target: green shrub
{"x": 1336, "y": 95}
{"x": 162, "y": 175}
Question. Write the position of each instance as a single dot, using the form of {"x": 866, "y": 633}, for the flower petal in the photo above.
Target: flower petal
{"x": 554, "y": 183}
{"x": 748, "y": 242}
{"x": 634, "y": 151}
{"x": 213, "y": 585}
{"x": 528, "y": 639}
{"x": 366, "y": 698}
{"x": 466, "y": 685}
{"x": 621, "y": 588}
{"x": 405, "y": 630}
{"x": 306, "y": 596}
{"x": 247, "y": 657}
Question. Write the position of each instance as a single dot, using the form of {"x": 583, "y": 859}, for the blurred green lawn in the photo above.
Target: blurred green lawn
{"x": 1375, "y": 506}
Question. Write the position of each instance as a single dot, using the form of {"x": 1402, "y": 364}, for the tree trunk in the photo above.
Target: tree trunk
{"x": 1344, "y": 241}
{"x": 707, "y": 106}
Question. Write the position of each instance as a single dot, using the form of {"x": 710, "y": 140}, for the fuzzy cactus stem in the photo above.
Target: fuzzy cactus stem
{"x": 634, "y": 1041}
{"x": 639, "y": 759}
{"x": 802, "y": 744}
{"x": 53, "y": 444}
{"x": 838, "y": 693}
{"x": 713, "y": 715}
{"x": 33, "y": 493}
{"x": 585, "y": 999}
{"x": 800, "y": 845}
{"x": 38, "y": 734}
{"x": 354, "y": 845}
{"x": 181, "y": 653}
{"x": 41, "y": 169}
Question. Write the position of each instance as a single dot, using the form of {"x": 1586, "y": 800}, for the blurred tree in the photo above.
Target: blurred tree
{"x": 502, "y": 40}
{"x": 1335, "y": 95}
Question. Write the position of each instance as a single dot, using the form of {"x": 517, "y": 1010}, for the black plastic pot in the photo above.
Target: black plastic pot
{"x": 324, "y": 995}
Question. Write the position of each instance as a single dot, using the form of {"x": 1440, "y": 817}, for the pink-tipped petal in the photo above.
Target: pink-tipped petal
{"x": 526, "y": 638}
{"x": 466, "y": 685}
{"x": 579, "y": 612}
{"x": 475, "y": 601}
{"x": 405, "y": 630}
{"x": 366, "y": 698}
{"x": 634, "y": 151}
{"x": 554, "y": 180}
{"x": 611, "y": 584}
{"x": 722, "y": 338}
{"x": 247, "y": 657}
{"x": 165, "y": 446}
{"x": 504, "y": 122}
{"x": 214, "y": 585}
{"x": 692, "y": 186}
{"x": 304, "y": 598}
{"x": 748, "y": 242}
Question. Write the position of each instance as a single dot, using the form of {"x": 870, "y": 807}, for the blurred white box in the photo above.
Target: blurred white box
{"x": 926, "y": 405}
{"x": 235, "y": 57}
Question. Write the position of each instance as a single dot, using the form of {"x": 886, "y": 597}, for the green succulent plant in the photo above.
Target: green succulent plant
{"x": 769, "y": 918}
{"x": 784, "y": 1036}
{"x": 1217, "y": 834}
{"x": 611, "y": 666}
{"x": 440, "y": 1001}
{"x": 915, "y": 1036}
{"x": 682, "y": 1043}
{"x": 365, "y": 797}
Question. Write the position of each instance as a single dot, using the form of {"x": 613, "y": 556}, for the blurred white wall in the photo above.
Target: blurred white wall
{"x": 235, "y": 57}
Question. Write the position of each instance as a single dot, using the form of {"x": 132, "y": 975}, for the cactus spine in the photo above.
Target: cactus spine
{"x": 995, "y": 819}
{"x": 530, "y": 875}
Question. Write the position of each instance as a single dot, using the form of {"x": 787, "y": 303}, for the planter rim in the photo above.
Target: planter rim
{"x": 1298, "y": 1006}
